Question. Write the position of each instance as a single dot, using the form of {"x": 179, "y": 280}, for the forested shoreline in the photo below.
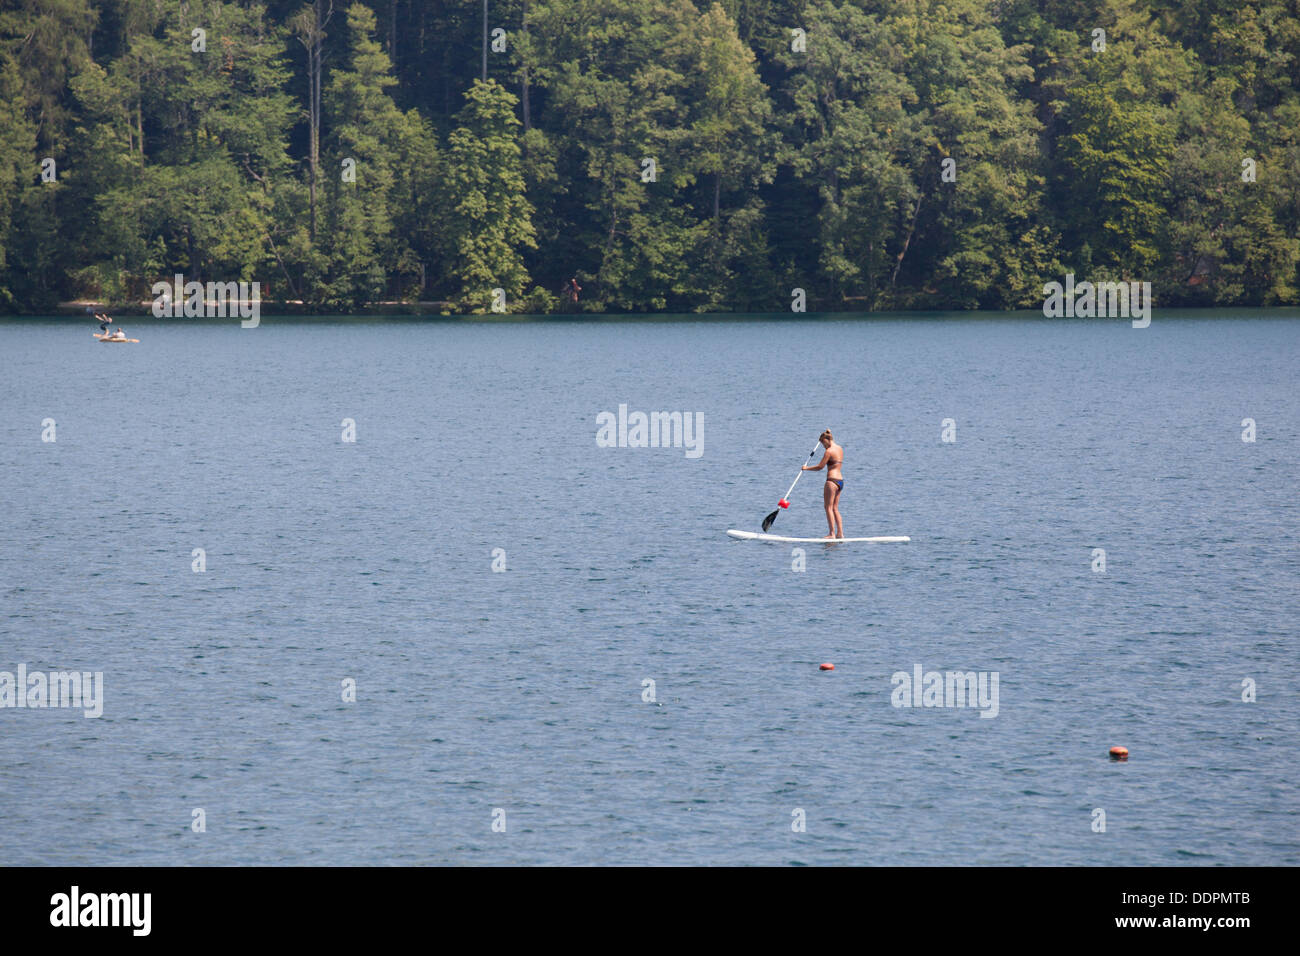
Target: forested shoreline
{"x": 670, "y": 155}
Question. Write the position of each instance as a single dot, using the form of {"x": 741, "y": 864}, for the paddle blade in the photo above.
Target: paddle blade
{"x": 767, "y": 522}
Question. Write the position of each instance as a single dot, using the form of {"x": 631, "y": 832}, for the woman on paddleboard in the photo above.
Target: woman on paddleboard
{"x": 831, "y": 461}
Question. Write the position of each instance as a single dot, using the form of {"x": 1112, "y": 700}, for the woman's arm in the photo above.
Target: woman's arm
{"x": 819, "y": 466}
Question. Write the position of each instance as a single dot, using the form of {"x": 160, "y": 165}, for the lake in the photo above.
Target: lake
{"x": 507, "y": 716}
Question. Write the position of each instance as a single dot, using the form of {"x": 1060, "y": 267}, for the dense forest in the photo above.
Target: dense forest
{"x": 670, "y": 155}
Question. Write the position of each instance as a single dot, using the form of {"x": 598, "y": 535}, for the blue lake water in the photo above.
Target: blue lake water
{"x": 523, "y": 689}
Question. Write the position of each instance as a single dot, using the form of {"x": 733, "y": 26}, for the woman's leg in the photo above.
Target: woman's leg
{"x": 835, "y": 509}
{"x": 828, "y": 498}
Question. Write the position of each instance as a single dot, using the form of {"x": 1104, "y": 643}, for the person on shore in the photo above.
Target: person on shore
{"x": 572, "y": 288}
{"x": 832, "y": 462}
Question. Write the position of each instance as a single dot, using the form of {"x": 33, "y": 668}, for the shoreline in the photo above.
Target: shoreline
{"x": 69, "y": 311}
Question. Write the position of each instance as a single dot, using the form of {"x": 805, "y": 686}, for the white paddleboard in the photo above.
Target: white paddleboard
{"x": 755, "y": 536}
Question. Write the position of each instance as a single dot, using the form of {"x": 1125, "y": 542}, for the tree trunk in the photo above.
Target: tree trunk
{"x": 906, "y": 242}
{"x": 313, "y": 151}
{"x": 523, "y": 91}
{"x": 309, "y": 25}
{"x": 392, "y": 33}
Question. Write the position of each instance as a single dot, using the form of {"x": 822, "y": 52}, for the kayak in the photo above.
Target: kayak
{"x": 105, "y": 338}
{"x": 756, "y": 536}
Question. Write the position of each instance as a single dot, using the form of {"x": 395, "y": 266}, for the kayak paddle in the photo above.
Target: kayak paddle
{"x": 785, "y": 500}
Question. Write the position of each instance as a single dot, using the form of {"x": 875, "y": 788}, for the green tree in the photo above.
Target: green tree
{"x": 17, "y": 178}
{"x": 180, "y": 150}
{"x": 367, "y": 139}
{"x": 490, "y": 221}
{"x": 1114, "y": 178}
{"x": 42, "y": 44}
{"x": 736, "y": 151}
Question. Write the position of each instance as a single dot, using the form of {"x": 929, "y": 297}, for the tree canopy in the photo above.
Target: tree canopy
{"x": 680, "y": 155}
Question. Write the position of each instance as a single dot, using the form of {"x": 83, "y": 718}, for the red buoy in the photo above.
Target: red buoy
{"x": 1118, "y": 753}
{"x": 827, "y": 667}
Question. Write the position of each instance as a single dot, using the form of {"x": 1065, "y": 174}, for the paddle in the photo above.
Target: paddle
{"x": 785, "y": 499}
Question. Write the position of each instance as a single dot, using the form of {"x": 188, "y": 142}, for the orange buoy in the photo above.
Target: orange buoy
{"x": 827, "y": 667}
{"x": 1118, "y": 753}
